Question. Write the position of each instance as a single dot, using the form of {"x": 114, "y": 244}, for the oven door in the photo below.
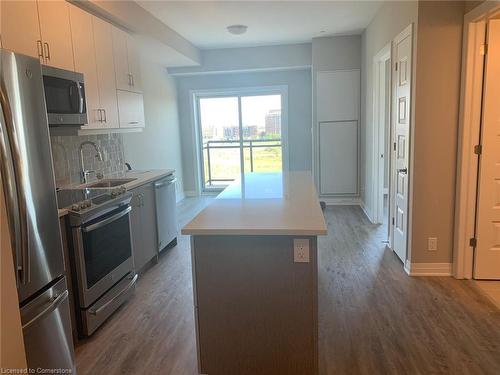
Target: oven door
{"x": 103, "y": 250}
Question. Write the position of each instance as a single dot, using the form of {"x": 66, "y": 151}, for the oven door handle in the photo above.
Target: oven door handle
{"x": 108, "y": 220}
{"x": 123, "y": 291}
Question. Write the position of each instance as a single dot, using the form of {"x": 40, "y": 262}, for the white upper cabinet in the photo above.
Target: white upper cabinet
{"x": 134, "y": 64}
{"x": 123, "y": 80}
{"x": 56, "y": 34}
{"x": 39, "y": 29}
{"x": 131, "y": 109}
{"x": 26, "y": 41}
{"x": 103, "y": 42}
{"x": 126, "y": 62}
{"x": 82, "y": 35}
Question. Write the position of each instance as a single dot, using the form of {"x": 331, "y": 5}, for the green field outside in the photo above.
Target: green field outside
{"x": 225, "y": 163}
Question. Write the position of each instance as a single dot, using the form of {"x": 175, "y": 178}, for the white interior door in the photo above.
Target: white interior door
{"x": 487, "y": 253}
{"x": 402, "y": 102}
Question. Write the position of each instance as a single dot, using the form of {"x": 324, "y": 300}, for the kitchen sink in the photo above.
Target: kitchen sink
{"x": 111, "y": 182}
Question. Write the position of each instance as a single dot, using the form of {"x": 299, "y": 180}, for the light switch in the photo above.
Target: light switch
{"x": 301, "y": 250}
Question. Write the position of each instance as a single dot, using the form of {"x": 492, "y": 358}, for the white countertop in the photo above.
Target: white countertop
{"x": 140, "y": 178}
{"x": 263, "y": 204}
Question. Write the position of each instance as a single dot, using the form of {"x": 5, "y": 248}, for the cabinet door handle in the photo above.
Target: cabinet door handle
{"x": 99, "y": 115}
{"x": 133, "y": 82}
{"x": 129, "y": 79}
{"x": 105, "y": 115}
{"x": 39, "y": 49}
{"x": 47, "y": 50}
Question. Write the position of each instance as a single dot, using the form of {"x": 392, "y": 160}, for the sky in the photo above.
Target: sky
{"x": 223, "y": 112}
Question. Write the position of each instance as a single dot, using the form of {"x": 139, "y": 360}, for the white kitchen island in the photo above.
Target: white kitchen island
{"x": 254, "y": 259}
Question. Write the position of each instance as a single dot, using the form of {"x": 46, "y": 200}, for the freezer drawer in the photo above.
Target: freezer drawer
{"x": 166, "y": 216}
{"x": 47, "y": 330}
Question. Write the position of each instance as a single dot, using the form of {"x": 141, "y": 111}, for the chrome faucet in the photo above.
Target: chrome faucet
{"x": 86, "y": 172}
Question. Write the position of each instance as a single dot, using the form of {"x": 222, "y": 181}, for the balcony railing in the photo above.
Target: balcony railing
{"x": 250, "y": 145}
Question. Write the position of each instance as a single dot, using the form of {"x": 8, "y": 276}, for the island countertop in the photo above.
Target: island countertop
{"x": 263, "y": 204}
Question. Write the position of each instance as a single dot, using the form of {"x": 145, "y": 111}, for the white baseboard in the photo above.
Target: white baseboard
{"x": 190, "y": 193}
{"x": 339, "y": 201}
{"x": 179, "y": 196}
{"x": 428, "y": 269}
{"x": 367, "y": 211}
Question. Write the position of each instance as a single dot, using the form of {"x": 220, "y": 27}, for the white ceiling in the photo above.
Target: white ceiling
{"x": 204, "y": 23}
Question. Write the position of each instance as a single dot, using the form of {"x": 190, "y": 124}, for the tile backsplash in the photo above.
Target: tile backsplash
{"x": 66, "y": 156}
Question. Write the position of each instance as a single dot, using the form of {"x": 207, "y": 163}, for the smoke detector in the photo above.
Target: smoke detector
{"x": 237, "y": 29}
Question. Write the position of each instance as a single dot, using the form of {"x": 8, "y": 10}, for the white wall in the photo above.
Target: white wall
{"x": 158, "y": 146}
{"x": 299, "y": 112}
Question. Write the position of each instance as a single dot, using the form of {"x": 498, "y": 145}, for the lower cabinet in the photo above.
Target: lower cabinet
{"x": 143, "y": 225}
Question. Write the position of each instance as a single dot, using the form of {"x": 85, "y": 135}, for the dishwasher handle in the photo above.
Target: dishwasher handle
{"x": 163, "y": 183}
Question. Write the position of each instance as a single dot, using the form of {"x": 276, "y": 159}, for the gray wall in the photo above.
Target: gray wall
{"x": 336, "y": 53}
{"x": 389, "y": 21}
{"x": 299, "y": 112}
{"x": 439, "y": 57}
{"x": 158, "y": 145}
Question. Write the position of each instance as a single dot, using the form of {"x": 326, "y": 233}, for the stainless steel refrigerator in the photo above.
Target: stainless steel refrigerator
{"x": 30, "y": 197}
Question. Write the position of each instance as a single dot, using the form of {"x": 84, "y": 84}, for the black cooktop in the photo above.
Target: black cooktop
{"x": 67, "y": 197}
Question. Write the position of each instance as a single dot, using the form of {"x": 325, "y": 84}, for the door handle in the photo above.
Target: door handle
{"x": 165, "y": 183}
{"x": 54, "y": 304}
{"x": 403, "y": 170}
{"x": 47, "y": 50}
{"x": 105, "y": 116}
{"x": 39, "y": 49}
{"x": 95, "y": 311}
{"x": 16, "y": 205}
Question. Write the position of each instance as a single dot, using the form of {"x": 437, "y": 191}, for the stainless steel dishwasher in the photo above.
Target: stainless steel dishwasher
{"x": 166, "y": 215}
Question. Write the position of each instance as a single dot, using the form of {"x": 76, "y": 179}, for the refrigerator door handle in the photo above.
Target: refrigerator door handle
{"x": 13, "y": 184}
{"x": 54, "y": 304}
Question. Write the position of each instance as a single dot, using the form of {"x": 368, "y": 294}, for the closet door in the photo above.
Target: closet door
{"x": 82, "y": 36}
{"x": 56, "y": 34}
{"x": 337, "y": 98}
{"x": 103, "y": 42}
{"x": 338, "y": 145}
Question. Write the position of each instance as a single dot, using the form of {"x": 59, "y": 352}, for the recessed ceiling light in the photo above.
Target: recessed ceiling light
{"x": 237, "y": 29}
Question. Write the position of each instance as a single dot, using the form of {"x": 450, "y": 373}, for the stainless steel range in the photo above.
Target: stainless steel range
{"x": 101, "y": 252}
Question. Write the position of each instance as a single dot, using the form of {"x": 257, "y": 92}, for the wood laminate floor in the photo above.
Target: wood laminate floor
{"x": 373, "y": 319}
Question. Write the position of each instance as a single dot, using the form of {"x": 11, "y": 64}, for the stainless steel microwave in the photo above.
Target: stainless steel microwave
{"x": 64, "y": 97}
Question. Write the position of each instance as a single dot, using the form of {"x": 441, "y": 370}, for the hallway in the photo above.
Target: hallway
{"x": 373, "y": 318}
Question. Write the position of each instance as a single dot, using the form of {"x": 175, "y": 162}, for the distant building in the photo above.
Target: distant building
{"x": 273, "y": 122}
{"x": 250, "y": 131}
{"x": 231, "y": 132}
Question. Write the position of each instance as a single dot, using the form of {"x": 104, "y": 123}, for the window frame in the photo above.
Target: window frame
{"x": 196, "y": 95}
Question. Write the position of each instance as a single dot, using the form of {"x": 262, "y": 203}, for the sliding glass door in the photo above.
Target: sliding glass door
{"x": 239, "y": 134}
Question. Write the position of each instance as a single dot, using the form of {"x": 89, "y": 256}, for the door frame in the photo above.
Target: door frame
{"x": 195, "y": 95}
{"x": 469, "y": 132}
{"x": 379, "y": 133}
